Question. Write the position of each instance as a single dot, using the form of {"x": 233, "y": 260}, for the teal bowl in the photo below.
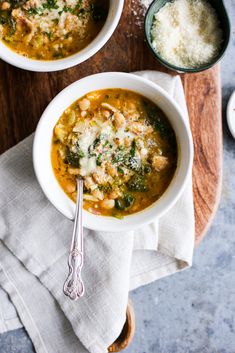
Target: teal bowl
{"x": 219, "y": 7}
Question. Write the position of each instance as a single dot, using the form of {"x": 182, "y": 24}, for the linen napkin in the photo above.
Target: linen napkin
{"x": 35, "y": 239}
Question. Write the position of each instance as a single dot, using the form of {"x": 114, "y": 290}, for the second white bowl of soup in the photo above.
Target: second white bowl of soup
{"x": 129, "y": 141}
{"x": 51, "y": 35}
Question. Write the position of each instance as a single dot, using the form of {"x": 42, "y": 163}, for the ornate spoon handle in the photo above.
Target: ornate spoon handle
{"x": 73, "y": 286}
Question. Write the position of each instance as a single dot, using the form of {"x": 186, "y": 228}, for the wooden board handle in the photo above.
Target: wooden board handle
{"x": 126, "y": 336}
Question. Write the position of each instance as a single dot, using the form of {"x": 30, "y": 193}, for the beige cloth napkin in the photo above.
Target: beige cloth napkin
{"x": 34, "y": 244}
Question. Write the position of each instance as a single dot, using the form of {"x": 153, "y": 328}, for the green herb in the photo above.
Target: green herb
{"x": 16, "y": 3}
{"x": 98, "y": 160}
{"x": 68, "y": 9}
{"x": 120, "y": 170}
{"x": 56, "y": 21}
{"x": 137, "y": 183}
{"x": 35, "y": 11}
{"x": 49, "y": 35}
{"x": 50, "y": 4}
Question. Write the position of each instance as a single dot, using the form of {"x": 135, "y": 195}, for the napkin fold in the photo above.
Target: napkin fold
{"x": 34, "y": 244}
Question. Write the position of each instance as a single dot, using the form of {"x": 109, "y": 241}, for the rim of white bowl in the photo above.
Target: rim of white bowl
{"x": 17, "y": 60}
{"x": 104, "y": 223}
{"x": 231, "y": 114}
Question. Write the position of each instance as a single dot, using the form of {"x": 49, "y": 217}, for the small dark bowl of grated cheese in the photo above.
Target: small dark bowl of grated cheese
{"x": 187, "y": 35}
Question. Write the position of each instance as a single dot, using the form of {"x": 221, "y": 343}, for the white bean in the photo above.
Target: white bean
{"x": 5, "y": 5}
{"x": 119, "y": 119}
{"x": 84, "y": 104}
{"x": 107, "y": 204}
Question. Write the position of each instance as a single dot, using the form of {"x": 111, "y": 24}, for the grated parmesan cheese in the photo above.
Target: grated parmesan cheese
{"x": 186, "y": 33}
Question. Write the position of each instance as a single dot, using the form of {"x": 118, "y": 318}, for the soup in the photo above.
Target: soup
{"x": 122, "y": 145}
{"x": 50, "y": 29}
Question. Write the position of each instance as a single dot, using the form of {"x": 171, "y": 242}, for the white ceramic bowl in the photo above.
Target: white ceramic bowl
{"x": 11, "y": 57}
{"x": 43, "y": 139}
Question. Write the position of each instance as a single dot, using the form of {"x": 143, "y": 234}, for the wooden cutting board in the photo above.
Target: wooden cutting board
{"x": 24, "y": 95}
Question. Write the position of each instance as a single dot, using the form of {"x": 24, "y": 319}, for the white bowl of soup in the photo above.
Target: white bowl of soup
{"x": 128, "y": 140}
{"x": 51, "y": 35}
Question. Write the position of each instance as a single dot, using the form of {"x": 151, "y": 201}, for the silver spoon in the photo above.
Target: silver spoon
{"x": 73, "y": 286}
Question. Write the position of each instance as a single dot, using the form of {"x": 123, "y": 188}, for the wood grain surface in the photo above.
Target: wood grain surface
{"x": 24, "y": 95}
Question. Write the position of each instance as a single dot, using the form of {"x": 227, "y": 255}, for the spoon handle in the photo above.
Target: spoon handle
{"x": 73, "y": 286}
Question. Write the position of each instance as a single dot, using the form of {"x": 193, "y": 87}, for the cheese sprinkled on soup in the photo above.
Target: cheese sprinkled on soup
{"x": 122, "y": 145}
{"x": 50, "y": 29}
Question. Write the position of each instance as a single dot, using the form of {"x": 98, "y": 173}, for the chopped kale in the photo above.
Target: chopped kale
{"x": 99, "y": 13}
{"x": 6, "y": 19}
{"x": 126, "y": 160}
{"x": 154, "y": 116}
{"x": 73, "y": 158}
{"x": 120, "y": 170}
{"x": 137, "y": 183}
{"x": 129, "y": 200}
{"x": 125, "y": 202}
{"x": 132, "y": 163}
